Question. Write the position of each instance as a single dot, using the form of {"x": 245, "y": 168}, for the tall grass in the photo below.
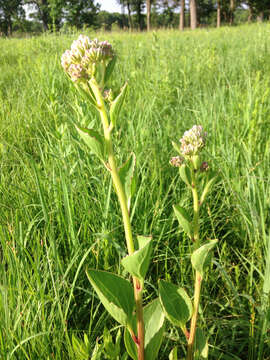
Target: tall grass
{"x": 59, "y": 215}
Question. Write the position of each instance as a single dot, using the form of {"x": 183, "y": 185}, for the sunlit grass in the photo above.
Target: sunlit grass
{"x": 59, "y": 215}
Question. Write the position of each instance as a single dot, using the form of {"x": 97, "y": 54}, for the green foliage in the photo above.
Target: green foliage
{"x": 137, "y": 264}
{"x": 115, "y": 293}
{"x": 116, "y": 104}
{"x": 176, "y": 303}
{"x": 154, "y": 329}
{"x": 217, "y": 78}
{"x": 185, "y": 174}
{"x": 201, "y": 344}
{"x": 199, "y": 256}
{"x": 94, "y": 141}
{"x": 128, "y": 177}
{"x": 183, "y": 219}
{"x": 173, "y": 354}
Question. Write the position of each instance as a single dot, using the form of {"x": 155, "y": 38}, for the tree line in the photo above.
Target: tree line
{"x": 53, "y": 15}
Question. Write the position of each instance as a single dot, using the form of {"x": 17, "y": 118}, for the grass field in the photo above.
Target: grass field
{"x": 59, "y": 213}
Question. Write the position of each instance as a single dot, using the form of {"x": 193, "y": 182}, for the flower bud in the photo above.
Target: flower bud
{"x": 177, "y": 161}
{"x": 204, "y": 166}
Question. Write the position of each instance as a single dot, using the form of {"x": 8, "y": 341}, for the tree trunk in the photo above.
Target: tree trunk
{"x": 218, "y": 14}
{"x": 9, "y": 26}
{"x": 139, "y": 15}
{"x": 250, "y": 14}
{"x": 232, "y": 6}
{"x": 260, "y": 16}
{"x": 182, "y": 15}
{"x": 129, "y": 16}
{"x": 148, "y": 10}
{"x": 193, "y": 14}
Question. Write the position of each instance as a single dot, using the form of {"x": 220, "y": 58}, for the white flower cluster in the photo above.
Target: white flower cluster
{"x": 193, "y": 140}
{"x": 78, "y": 61}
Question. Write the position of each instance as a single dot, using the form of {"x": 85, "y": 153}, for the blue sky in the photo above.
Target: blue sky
{"x": 109, "y": 5}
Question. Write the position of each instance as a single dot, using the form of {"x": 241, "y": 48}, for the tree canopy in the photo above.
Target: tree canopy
{"x": 52, "y": 15}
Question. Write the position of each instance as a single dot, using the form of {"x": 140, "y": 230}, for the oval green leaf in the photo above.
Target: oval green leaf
{"x": 137, "y": 264}
{"x": 185, "y": 174}
{"x": 183, "y": 219}
{"x": 93, "y": 140}
{"x": 201, "y": 344}
{"x": 154, "y": 329}
{"x": 116, "y": 105}
{"x": 126, "y": 173}
{"x": 115, "y": 293}
{"x": 199, "y": 256}
{"x": 176, "y": 303}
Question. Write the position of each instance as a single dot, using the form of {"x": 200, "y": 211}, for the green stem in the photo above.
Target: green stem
{"x": 138, "y": 287}
{"x": 198, "y": 279}
{"x": 196, "y": 209}
{"x": 194, "y": 318}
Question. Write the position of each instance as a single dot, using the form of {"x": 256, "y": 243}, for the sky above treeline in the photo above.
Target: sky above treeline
{"x": 109, "y": 5}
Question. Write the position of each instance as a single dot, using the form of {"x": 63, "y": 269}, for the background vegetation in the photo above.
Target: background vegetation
{"x": 21, "y": 17}
{"x": 59, "y": 214}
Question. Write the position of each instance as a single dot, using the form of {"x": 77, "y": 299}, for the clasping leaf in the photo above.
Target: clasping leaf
{"x": 94, "y": 141}
{"x": 176, "y": 303}
{"x": 109, "y": 69}
{"x": 207, "y": 187}
{"x": 185, "y": 174}
{"x": 199, "y": 256}
{"x": 183, "y": 219}
{"x": 137, "y": 264}
{"x": 115, "y": 293}
{"x": 116, "y": 105}
{"x": 173, "y": 354}
{"x": 201, "y": 344}
{"x": 154, "y": 329}
{"x": 126, "y": 173}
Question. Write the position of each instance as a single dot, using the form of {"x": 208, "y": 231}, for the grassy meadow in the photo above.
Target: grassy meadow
{"x": 58, "y": 211}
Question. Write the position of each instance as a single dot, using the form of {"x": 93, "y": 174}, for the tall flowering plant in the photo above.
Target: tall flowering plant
{"x": 178, "y": 307}
{"x": 89, "y": 64}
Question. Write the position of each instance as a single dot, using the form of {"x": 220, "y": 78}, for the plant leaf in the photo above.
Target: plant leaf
{"x": 126, "y": 173}
{"x": 176, "y": 147}
{"x": 173, "y": 354}
{"x": 130, "y": 345}
{"x": 176, "y": 303}
{"x": 109, "y": 69}
{"x": 115, "y": 293}
{"x": 154, "y": 329}
{"x": 201, "y": 344}
{"x": 185, "y": 174}
{"x": 199, "y": 256}
{"x": 80, "y": 348}
{"x": 87, "y": 93}
{"x": 183, "y": 219}
{"x": 207, "y": 187}
{"x": 116, "y": 105}
{"x": 137, "y": 264}
{"x": 93, "y": 140}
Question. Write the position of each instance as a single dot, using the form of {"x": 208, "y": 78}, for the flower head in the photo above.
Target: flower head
{"x": 84, "y": 53}
{"x": 193, "y": 141}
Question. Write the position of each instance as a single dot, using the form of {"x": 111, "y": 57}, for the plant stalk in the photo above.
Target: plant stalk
{"x": 138, "y": 287}
{"x": 194, "y": 318}
{"x": 198, "y": 279}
